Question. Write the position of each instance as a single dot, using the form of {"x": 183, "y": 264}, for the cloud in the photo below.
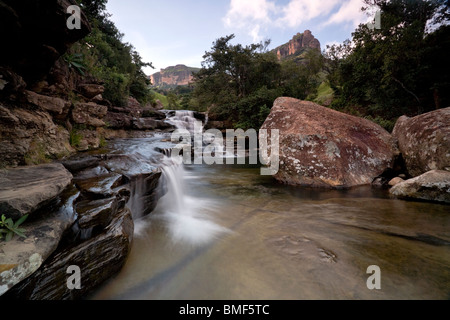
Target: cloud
{"x": 250, "y": 15}
{"x": 349, "y": 12}
{"x": 255, "y": 16}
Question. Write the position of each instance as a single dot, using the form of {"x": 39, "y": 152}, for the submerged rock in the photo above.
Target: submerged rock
{"x": 320, "y": 147}
{"x": 424, "y": 141}
{"x": 433, "y": 186}
{"x": 26, "y": 189}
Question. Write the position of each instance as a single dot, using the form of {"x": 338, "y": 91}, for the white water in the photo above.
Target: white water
{"x": 185, "y": 216}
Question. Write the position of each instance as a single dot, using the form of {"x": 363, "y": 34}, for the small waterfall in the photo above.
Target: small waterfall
{"x": 183, "y": 119}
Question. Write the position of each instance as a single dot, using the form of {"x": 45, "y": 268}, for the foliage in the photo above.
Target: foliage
{"x": 75, "y": 60}
{"x": 105, "y": 56}
{"x": 240, "y": 83}
{"x": 9, "y": 228}
{"x": 399, "y": 69}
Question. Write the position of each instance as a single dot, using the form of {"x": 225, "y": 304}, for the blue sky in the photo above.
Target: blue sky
{"x": 173, "y": 32}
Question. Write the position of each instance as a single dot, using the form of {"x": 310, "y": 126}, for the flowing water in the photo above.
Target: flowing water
{"x": 226, "y": 232}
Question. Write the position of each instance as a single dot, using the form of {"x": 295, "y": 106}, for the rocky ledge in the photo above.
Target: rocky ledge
{"x": 84, "y": 221}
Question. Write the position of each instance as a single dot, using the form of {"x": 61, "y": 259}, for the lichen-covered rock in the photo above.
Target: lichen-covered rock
{"x": 51, "y": 104}
{"x": 320, "y": 147}
{"x": 424, "y": 141}
{"x": 24, "y": 190}
{"x": 433, "y": 186}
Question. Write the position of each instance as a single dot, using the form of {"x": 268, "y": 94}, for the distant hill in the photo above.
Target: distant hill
{"x": 299, "y": 44}
{"x": 179, "y": 75}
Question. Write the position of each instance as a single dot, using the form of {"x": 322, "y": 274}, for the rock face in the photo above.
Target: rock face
{"x": 34, "y": 35}
{"x": 424, "y": 141}
{"x": 179, "y": 75}
{"x": 26, "y": 189}
{"x": 320, "y": 147}
{"x": 30, "y": 136}
{"x": 433, "y": 186}
{"x": 298, "y": 43}
{"x": 92, "y": 229}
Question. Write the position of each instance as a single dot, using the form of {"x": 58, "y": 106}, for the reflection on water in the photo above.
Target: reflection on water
{"x": 238, "y": 235}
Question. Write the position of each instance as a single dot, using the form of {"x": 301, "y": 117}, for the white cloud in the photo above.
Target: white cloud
{"x": 349, "y": 12}
{"x": 255, "y": 16}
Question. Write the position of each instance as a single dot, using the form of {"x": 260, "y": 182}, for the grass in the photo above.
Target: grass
{"x": 161, "y": 98}
{"x": 324, "y": 94}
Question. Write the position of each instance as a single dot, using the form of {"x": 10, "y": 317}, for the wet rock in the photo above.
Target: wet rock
{"x": 153, "y": 113}
{"x": 424, "y": 141}
{"x": 75, "y": 165}
{"x": 94, "y": 213}
{"x": 98, "y": 258}
{"x": 320, "y": 147}
{"x": 26, "y": 189}
{"x": 90, "y": 114}
{"x": 395, "y": 181}
{"x": 432, "y": 186}
{"x": 19, "y": 258}
{"x": 150, "y": 124}
{"x": 99, "y": 187}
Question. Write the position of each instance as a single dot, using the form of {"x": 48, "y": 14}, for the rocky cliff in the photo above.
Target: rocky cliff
{"x": 179, "y": 75}
{"x": 297, "y": 45}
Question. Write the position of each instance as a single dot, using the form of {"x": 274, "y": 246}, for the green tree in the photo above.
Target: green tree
{"x": 388, "y": 71}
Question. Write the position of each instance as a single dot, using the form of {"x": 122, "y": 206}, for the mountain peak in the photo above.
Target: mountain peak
{"x": 298, "y": 44}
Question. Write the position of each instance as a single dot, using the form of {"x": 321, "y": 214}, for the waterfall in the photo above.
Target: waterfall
{"x": 188, "y": 219}
{"x": 183, "y": 120}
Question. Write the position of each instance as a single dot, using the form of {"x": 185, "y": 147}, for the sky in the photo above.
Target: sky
{"x": 171, "y": 32}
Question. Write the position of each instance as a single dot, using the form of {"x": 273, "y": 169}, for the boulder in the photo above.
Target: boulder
{"x": 90, "y": 114}
{"x": 320, "y": 147}
{"x": 19, "y": 258}
{"x": 395, "y": 181}
{"x": 433, "y": 186}
{"x": 424, "y": 141}
{"x": 24, "y": 190}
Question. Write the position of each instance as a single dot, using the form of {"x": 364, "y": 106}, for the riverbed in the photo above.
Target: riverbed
{"x": 226, "y": 232}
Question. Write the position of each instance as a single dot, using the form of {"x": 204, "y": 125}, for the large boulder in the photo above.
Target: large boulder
{"x": 424, "y": 141}
{"x": 24, "y": 190}
{"x": 433, "y": 186}
{"x": 320, "y": 147}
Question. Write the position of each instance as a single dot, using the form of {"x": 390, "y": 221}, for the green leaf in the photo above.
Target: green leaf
{"x": 20, "y": 233}
{"x": 9, "y": 223}
{"x": 20, "y": 221}
{"x": 78, "y": 65}
{"x": 9, "y": 236}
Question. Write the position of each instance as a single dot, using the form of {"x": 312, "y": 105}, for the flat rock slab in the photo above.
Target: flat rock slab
{"x": 26, "y": 189}
{"x": 431, "y": 186}
{"x": 20, "y": 258}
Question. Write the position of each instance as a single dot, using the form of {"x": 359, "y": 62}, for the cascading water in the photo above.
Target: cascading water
{"x": 186, "y": 219}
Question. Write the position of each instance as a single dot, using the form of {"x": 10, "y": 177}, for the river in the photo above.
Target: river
{"x": 226, "y": 232}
